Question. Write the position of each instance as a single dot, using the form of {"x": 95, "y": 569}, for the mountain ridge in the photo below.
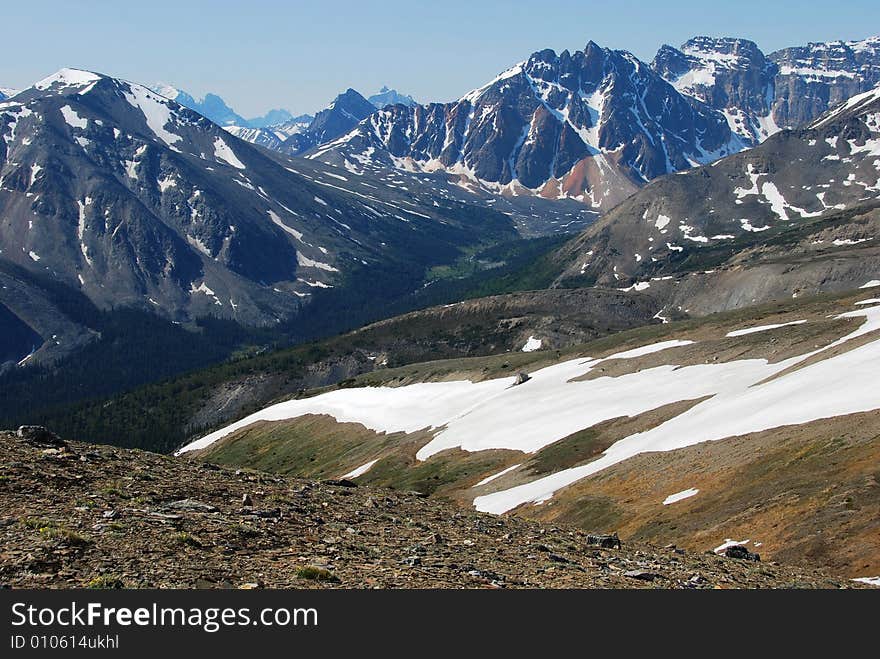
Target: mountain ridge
{"x": 541, "y": 127}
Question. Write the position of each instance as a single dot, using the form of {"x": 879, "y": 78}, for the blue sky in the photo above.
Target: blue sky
{"x": 299, "y": 55}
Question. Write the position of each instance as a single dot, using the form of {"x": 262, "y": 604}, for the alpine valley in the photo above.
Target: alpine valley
{"x": 595, "y": 300}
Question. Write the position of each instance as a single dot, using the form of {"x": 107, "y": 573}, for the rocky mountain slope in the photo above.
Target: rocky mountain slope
{"x": 135, "y": 201}
{"x": 752, "y": 418}
{"x": 818, "y": 76}
{"x": 76, "y": 515}
{"x": 761, "y": 94}
{"x": 806, "y": 200}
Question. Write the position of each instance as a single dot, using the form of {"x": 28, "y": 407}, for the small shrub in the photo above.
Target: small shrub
{"x": 37, "y": 523}
{"x": 105, "y": 582}
{"x": 112, "y": 491}
{"x": 187, "y": 539}
{"x": 314, "y": 573}
{"x": 246, "y": 531}
{"x": 66, "y": 536}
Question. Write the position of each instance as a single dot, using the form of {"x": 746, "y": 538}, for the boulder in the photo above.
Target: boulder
{"x": 642, "y": 575}
{"x": 604, "y": 541}
{"x": 39, "y": 436}
{"x": 740, "y": 552}
{"x": 191, "y": 505}
{"x": 339, "y": 482}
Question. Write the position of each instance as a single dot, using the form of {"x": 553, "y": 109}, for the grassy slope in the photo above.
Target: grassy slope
{"x": 808, "y": 493}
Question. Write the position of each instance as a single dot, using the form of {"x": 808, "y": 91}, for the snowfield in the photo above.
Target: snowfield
{"x": 224, "y": 153}
{"x": 743, "y": 397}
{"x": 156, "y": 110}
{"x": 844, "y": 384}
{"x": 469, "y": 410}
{"x": 501, "y": 473}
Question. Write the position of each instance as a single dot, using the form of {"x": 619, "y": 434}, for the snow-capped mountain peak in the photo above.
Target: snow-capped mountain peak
{"x": 66, "y": 78}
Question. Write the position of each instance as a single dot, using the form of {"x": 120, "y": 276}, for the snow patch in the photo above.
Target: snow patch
{"x": 730, "y": 543}
{"x": 72, "y": 118}
{"x": 678, "y": 496}
{"x": 501, "y": 473}
{"x": 360, "y": 471}
{"x": 763, "y": 328}
{"x": 840, "y": 385}
{"x": 156, "y": 110}
{"x": 306, "y": 262}
{"x": 277, "y": 222}
{"x": 224, "y": 153}
{"x": 532, "y": 344}
{"x": 871, "y": 581}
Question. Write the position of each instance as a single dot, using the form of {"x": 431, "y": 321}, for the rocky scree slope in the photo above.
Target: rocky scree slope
{"x": 77, "y": 515}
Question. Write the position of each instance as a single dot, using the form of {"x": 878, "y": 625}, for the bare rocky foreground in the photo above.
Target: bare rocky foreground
{"x": 77, "y": 515}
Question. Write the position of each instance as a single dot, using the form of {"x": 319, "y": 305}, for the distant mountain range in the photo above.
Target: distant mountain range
{"x": 592, "y": 126}
{"x": 278, "y": 129}
{"x": 216, "y": 109}
{"x": 387, "y": 96}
